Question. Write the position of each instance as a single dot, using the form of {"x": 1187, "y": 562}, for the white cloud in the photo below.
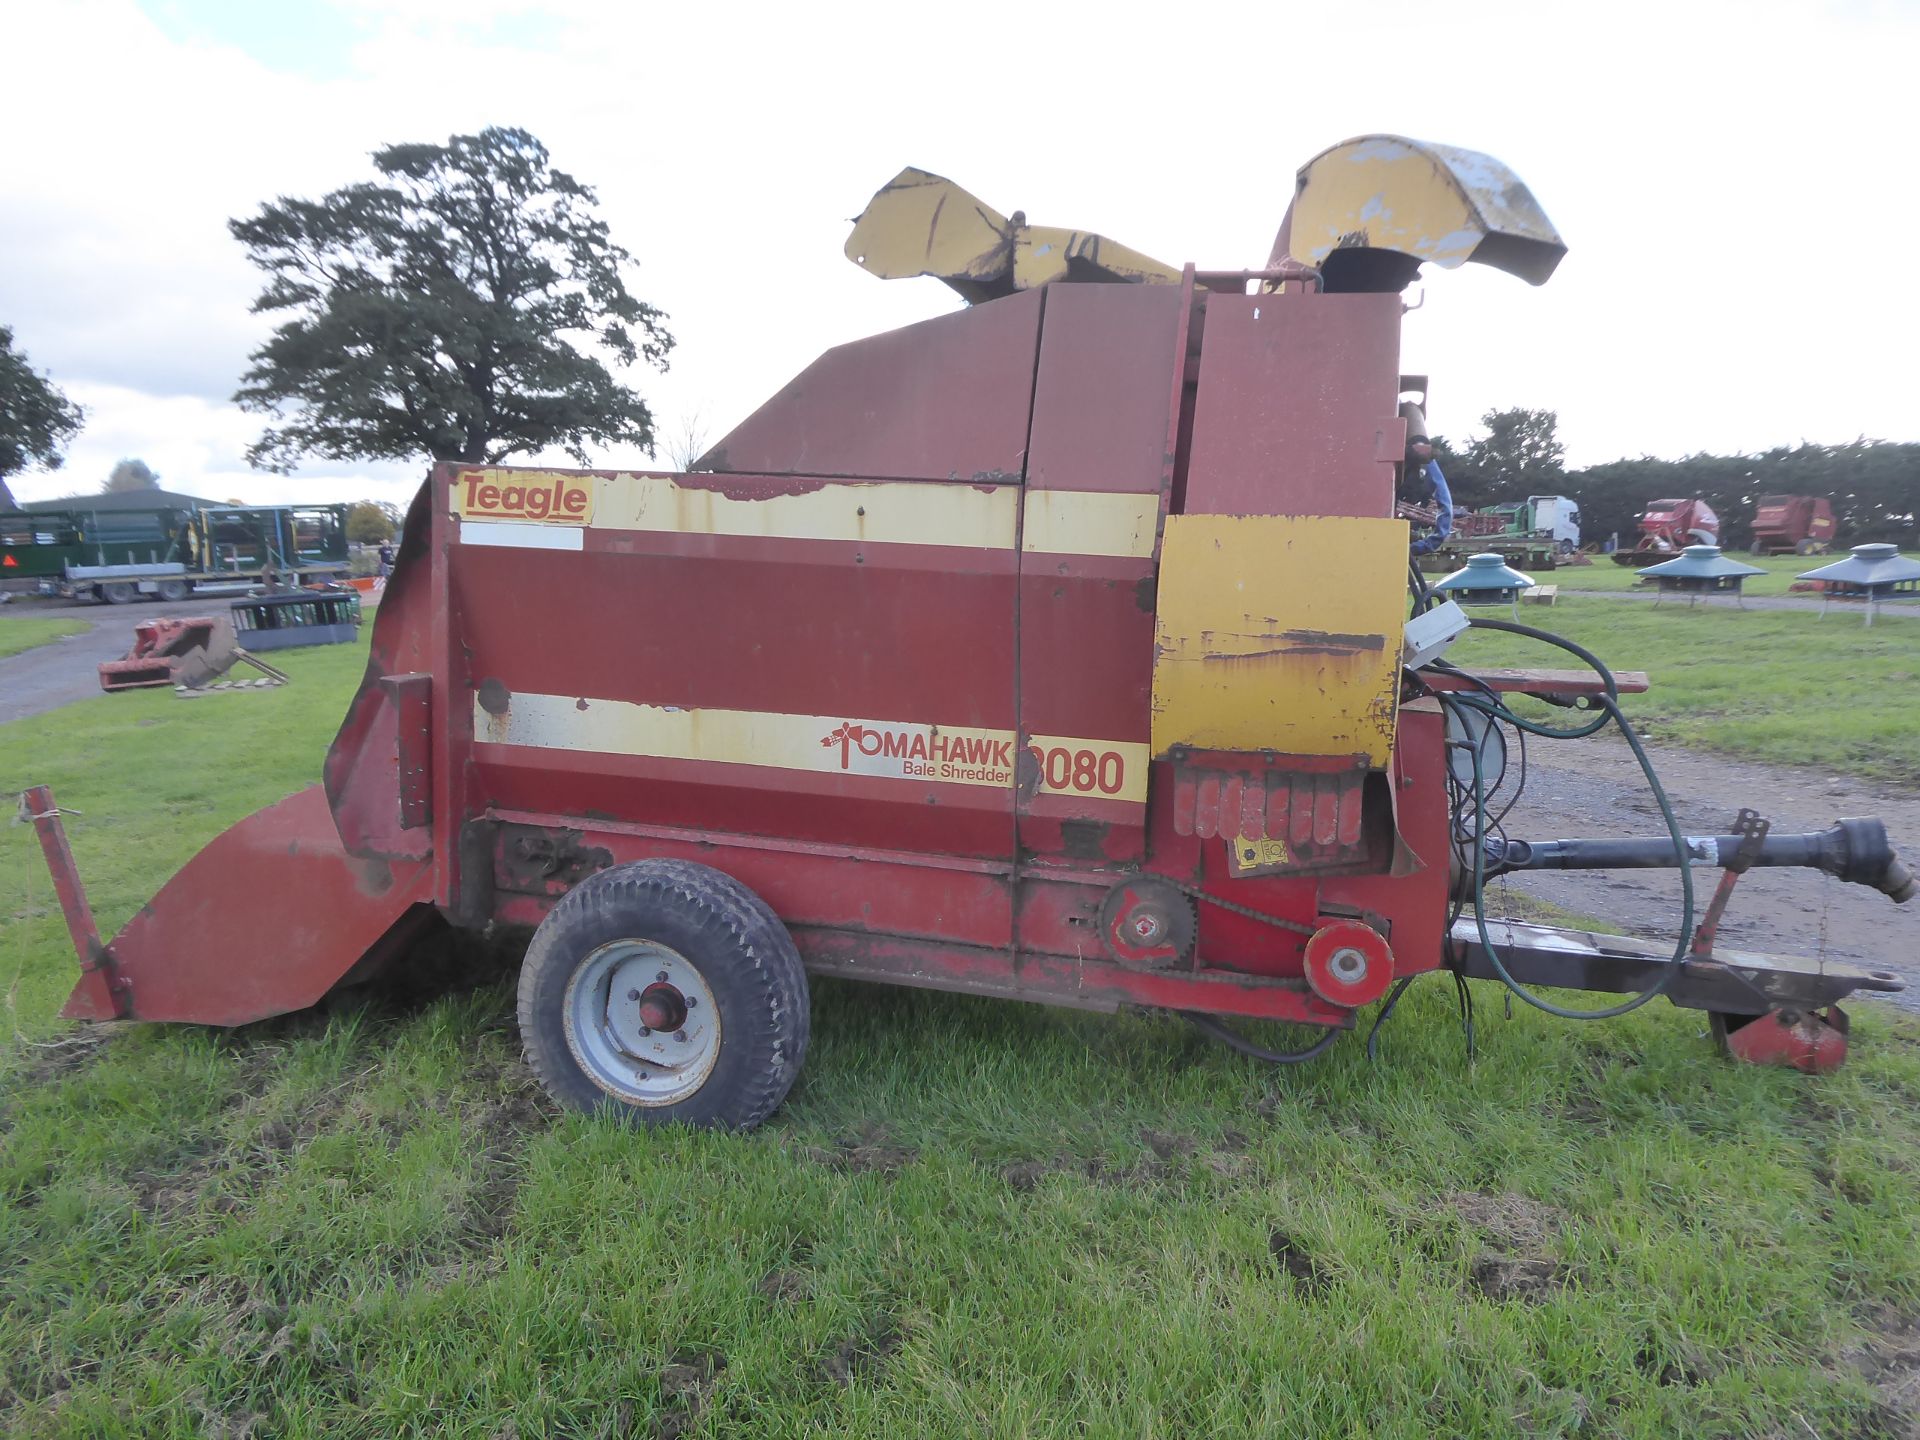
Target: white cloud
{"x": 1727, "y": 178}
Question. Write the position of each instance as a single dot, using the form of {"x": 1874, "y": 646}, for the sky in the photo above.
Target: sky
{"x": 1729, "y": 178}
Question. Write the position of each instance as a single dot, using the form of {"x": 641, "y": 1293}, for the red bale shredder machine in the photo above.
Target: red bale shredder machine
{"x": 1060, "y": 648}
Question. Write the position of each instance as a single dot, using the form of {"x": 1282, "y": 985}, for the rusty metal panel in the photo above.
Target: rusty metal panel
{"x": 1104, "y": 388}
{"x": 1297, "y": 408}
{"x": 1279, "y": 633}
{"x": 277, "y": 884}
{"x": 412, "y": 697}
{"x": 946, "y": 399}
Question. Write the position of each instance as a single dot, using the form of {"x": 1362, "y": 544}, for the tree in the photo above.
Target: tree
{"x": 372, "y": 522}
{"x": 687, "y": 443}
{"x": 130, "y": 475}
{"x": 36, "y": 420}
{"x": 456, "y": 308}
{"x": 1520, "y": 455}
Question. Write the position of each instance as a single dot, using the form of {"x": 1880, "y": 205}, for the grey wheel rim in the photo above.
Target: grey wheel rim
{"x": 641, "y": 1023}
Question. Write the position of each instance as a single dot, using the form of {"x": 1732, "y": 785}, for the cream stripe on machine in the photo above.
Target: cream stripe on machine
{"x": 824, "y": 744}
{"x": 1090, "y": 522}
{"x": 892, "y": 512}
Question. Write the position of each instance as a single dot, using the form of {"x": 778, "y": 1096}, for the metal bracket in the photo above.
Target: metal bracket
{"x": 110, "y": 993}
{"x": 1752, "y": 829}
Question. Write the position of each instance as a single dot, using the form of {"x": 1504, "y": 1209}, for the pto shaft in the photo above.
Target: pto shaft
{"x": 1854, "y": 850}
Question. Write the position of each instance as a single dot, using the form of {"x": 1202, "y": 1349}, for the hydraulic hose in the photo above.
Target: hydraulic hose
{"x": 1609, "y": 704}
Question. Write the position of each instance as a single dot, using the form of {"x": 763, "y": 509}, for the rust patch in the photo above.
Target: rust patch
{"x": 1084, "y": 839}
{"x": 1295, "y": 642}
{"x": 1146, "y": 593}
{"x": 495, "y": 698}
{"x": 749, "y": 487}
{"x": 537, "y": 862}
{"x": 1335, "y": 640}
{"x": 371, "y": 877}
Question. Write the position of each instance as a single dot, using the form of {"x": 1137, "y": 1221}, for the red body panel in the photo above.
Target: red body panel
{"x": 947, "y": 399}
{"x": 1297, "y": 403}
{"x": 924, "y": 744}
{"x": 1101, "y": 398}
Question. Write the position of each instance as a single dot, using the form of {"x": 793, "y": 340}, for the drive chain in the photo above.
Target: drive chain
{"x": 1194, "y": 892}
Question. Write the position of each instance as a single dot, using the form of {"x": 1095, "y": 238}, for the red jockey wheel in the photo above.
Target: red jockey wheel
{"x": 1349, "y": 963}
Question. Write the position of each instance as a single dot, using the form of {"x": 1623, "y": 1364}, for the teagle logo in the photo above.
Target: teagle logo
{"x": 544, "y": 499}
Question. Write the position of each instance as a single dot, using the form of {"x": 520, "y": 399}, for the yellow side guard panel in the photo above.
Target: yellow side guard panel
{"x": 1433, "y": 202}
{"x": 1279, "y": 632}
{"x": 924, "y": 224}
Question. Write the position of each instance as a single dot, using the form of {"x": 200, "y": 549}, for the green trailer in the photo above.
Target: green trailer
{"x": 170, "y": 553}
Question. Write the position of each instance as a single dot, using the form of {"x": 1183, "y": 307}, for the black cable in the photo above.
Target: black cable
{"x": 1393, "y": 999}
{"x": 1423, "y": 600}
{"x": 1207, "y": 1025}
{"x": 1466, "y": 1010}
{"x": 1520, "y": 788}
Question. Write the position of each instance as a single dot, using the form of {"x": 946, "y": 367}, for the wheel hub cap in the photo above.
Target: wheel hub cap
{"x": 642, "y": 1023}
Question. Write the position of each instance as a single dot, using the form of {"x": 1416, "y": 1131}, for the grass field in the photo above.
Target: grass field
{"x": 24, "y": 632}
{"x": 1779, "y": 685}
{"x": 970, "y": 1219}
{"x": 1603, "y": 574}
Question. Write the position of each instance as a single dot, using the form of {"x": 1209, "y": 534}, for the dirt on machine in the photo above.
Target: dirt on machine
{"x": 1061, "y": 648}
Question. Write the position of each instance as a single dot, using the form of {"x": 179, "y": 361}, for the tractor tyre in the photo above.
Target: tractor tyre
{"x": 1757, "y": 548}
{"x": 119, "y": 592}
{"x": 174, "y": 591}
{"x": 665, "y": 992}
{"x": 1807, "y": 547}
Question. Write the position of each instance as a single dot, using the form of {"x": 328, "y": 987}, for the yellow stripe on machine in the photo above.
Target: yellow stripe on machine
{"x": 822, "y": 744}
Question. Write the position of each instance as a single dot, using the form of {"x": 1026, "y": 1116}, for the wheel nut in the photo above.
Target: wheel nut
{"x": 661, "y": 977}
{"x": 633, "y": 994}
{"x": 691, "y": 1002}
{"x": 681, "y": 1036}
{"x": 645, "y": 1031}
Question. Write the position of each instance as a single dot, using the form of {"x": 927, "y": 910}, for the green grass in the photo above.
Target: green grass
{"x": 970, "y": 1219}
{"x": 1783, "y": 686}
{"x": 1603, "y": 574}
{"x": 18, "y": 633}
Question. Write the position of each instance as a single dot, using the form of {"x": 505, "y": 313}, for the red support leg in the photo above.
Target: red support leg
{"x": 106, "y": 996}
